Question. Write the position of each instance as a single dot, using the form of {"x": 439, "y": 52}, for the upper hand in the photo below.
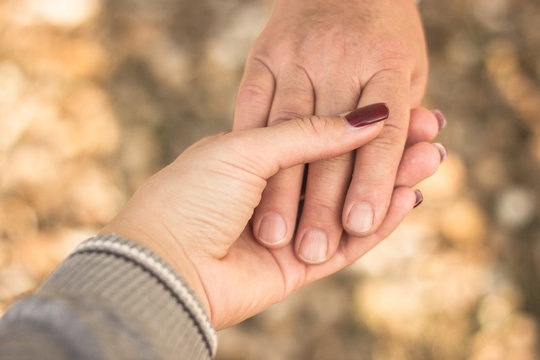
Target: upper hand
{"x": 330, "y": 57}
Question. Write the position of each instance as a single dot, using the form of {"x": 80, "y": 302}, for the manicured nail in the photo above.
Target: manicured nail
{"x": 272, "y": 229}
{"x": 313, "y": 247}
{"x": 442, "y": 150}
{"x": 360, "y": 219}
{"x": 419, "y": 197}
{"x": 440, "y": 118}
{"x": 367, "y": 115}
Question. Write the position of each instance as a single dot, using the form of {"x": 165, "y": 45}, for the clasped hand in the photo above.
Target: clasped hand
{"x": 196, "y": 212}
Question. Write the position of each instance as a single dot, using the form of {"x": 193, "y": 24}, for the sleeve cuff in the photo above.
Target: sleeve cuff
{"x": 138, "y": 284}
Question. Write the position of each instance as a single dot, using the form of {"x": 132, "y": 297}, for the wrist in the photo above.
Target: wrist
{"x": 168, "y": 249}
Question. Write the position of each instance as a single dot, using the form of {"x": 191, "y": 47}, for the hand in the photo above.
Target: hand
{"x": 329, "y": 57}
{"x": 195, "y": 213}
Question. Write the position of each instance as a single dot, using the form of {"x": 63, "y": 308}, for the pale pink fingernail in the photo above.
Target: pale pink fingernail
{"x": 272, "y": 229}
{"x": 313, "y": 247}
{"x": 360, "y": 219}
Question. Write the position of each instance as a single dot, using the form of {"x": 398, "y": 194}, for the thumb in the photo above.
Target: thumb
{"x": 264, "y": 151}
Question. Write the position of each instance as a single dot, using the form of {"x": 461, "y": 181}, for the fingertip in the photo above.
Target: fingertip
{"x": 271, "y": 230}
{"x": 443, "y": 151}
{"x": 404, "y": 199}
{"x": 419, "y": 162}
{"x": 441, "y": 119}
{"x": 313, "y": 247}
{"x": 419, "y": 198}
{"x": 358, "y": 220}
{"x": 275, "y": 217}
{"x": 423, "y": 126}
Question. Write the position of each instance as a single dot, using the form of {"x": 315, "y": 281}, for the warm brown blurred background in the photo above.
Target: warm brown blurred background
{"x": 95, "y": 95}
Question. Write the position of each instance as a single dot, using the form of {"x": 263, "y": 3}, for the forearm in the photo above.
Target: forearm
{"x": 110, "y": 299}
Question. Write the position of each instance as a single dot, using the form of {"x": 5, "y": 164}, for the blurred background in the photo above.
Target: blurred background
{"x": 96, "y": 95}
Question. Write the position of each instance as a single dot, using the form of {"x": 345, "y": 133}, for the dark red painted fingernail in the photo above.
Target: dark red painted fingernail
{"x": 441, "y": 119}
{"x": 419, "y": 197}
{"x": 367, "y": 115}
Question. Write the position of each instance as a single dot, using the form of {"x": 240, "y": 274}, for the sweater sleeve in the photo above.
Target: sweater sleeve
{"x": 110, "y": 299}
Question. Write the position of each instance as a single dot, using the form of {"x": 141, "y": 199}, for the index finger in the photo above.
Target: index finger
{"x": 254, "y": 97}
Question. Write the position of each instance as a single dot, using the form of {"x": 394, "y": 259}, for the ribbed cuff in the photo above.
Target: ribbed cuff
{"x": 140, "y": 286}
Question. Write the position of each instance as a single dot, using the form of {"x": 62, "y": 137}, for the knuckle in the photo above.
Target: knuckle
{"x": 322, "y": 208}
{"x": 392, "y": 136}
{"x": 319, "y": 206}
{"x": 391, "y": 73}
{"x": 377, "y": 177}
{"x": 387, "y": 142}
{"x": 387, "y": 147}
{"x": 395, "y": 49}
{"x": 314, "y": 125}
{"x": 285, "y": 115}
{"x": 236, "y": 150}
{"x": 394, "y": 63}
{"x": 249, "y": 92}
{"x": 394, "y": 130}
{"x": 342, "y": 161}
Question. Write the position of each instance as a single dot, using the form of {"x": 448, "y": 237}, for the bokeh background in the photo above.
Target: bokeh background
{"x": 96, "y": 95}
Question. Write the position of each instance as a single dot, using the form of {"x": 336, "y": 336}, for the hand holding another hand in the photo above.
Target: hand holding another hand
{"x": 196, "y": 212}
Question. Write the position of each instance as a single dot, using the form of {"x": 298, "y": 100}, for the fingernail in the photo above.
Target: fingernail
{"x": 442, "y": 150}
{"x": 419, "y": 197}
{"x": 440, "y": 118}
{"x": 367, "y": 115}
{"x": 360, "y": 219}
{"x": 313, "y": 247}
{"x": 272, "y": 229}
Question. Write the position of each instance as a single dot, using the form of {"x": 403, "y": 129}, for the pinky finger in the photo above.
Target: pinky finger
{"x": 419, "y": 162}
{"x": 424, "y": 125}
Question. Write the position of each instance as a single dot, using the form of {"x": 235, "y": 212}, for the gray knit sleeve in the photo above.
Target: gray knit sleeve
{"x": 110, "y": 299}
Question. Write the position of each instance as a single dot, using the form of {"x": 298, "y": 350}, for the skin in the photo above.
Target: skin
{"x": 330, "y": 57}
{"x": 196, "y": 213}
